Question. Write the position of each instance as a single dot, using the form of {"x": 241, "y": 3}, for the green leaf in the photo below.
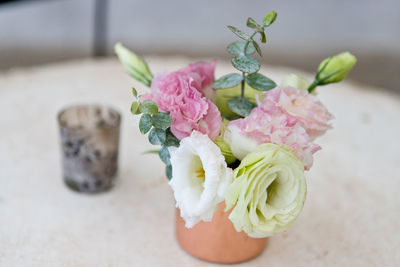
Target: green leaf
{"x": 135, "y": 108}
{"x": 269, "y": 18}
{"x": 162, "y": 120}
{"x": 237, "y": 48}
{"x": 257, "y": 47}
{"x": 134, "y": 92}
{"x": 228, "y": 81}
{"x": 168, "y": 171}
{"x": 239, "y": 33}
{"x": 230, "y": 117}
{"x": 164, "y": 155}
{"x": 251, "y": 23}
{"x": 246, "y": 63}
{"x": 157, "y": 136}
{"x": 153, "y": 151}
{"x": 145, "y": 123}
{"x": 171, "y": 139}
{"x": 148, "y": 107}
{"x": 241, "y": 106}
{"x": 260, "y": 82}
{"x": 263, "y": 38}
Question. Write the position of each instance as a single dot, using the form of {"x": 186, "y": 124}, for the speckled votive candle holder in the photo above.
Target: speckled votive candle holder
{"x": 89, "y": 142}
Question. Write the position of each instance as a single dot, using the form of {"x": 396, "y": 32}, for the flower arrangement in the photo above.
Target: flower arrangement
{"x": 241, "y": 139}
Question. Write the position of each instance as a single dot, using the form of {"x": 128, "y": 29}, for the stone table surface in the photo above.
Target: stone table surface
{"x": 351, "y": 216}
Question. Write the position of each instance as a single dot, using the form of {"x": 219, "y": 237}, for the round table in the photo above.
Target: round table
{"x": 351, "y": 216}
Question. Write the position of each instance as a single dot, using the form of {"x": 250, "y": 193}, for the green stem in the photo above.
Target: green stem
{"x": 313, "y": 86}
{"x": 243, "y": 73}
{"x": 242, "y": 88}
{"x": 248, "y": 42}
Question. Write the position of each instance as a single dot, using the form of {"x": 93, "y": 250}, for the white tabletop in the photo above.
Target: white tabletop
{"x": 351, "y": 216}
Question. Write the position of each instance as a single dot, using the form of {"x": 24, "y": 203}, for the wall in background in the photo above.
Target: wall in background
{"x": 306, "y": 31}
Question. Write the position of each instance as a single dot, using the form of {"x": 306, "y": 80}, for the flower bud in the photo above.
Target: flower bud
{"x": 334, "y": 69}
{"x": 135, "y": 66}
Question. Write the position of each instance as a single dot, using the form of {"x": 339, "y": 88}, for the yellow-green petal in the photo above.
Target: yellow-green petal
{"x": 135, "y": 65}
{"x": 268, "y": 191}
{"x": 334, "y": 69}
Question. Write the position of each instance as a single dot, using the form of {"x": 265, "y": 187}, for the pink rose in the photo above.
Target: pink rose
{"x": 306, "y": 108}
{"x": 271, "y": 124}
{"x": 180, "y": 93}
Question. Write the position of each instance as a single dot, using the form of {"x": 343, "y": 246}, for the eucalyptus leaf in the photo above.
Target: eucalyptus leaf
{"x": 153, "y": 151}
{"x": 171, "y": 140}
{"x": 164, "y": 155}
{"x": 148, "y": 107}
{"x": 145, "y": 123}
{"x": 246, "y": 63}
{"x": 161, "y": 120}
{"x": 168, "y": 171}
{"x": 239, "y": 33}
{"x": 228, "y": 81}
{"x": 135, "y": 108}
{"x": 134, "y": 92}
{"x": 269, "y": 18}
{"x": 260, "y": 82}
{"x": 263, "y": 38}
{"x": 230, "y": 117}
{"x": 237, "y": 48}
{"x": 157, "y": 136}
{"x": 241, "y": 106}
{"x": 251, "y": 23}
{"x": 257, "y": 47}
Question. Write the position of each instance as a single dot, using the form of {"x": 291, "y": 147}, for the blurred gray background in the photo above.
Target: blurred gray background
{"x": 38, "y": 32}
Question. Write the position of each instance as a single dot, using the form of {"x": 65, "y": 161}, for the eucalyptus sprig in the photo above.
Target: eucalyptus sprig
{"x": 247, "y": 65}
{"x": 157, "y": 124}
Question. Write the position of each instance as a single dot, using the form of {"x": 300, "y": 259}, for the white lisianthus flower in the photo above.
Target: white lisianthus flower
{"x": 268, "y": 191}
{"x": 200, "y": 178}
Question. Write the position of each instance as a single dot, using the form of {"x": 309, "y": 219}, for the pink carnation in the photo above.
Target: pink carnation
{"x": 180, "y": 93}
{"x": 306, "y": 108}
{"x": 271, "y": 124}
{"x": 204, "y": 70}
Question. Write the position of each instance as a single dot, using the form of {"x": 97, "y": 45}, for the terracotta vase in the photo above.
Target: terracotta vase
{"x": 218, "y": 241}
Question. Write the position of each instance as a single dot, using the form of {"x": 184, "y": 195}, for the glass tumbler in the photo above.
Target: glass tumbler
{"x": 89, "y": 143}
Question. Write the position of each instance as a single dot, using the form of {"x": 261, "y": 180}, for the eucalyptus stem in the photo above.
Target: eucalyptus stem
{"x": 242, "y": 83}
{"x": 248, "y": 42}
{"x": 243, "y": 73}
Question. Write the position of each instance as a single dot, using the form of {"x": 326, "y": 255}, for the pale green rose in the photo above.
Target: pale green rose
{"x": 223, "y": 146}
{"x": 295, "y": 81}
{"x": 268, "y": 191}
{"x": 135, "y": 66}
{"x": 223, "y": 95}
{"x": 334, "y": 69}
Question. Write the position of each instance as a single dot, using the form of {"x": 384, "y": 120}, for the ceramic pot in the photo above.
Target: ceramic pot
{"x": 218, "y": 241}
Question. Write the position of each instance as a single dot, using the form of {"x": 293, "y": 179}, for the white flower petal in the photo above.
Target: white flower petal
{"x": 198, "y": 198}
{"x": 240, "y": 144}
